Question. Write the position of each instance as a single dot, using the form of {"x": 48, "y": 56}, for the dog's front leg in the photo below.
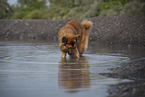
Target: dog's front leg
{"x": 63, "y": 54}
{"x": 76, "y": 52}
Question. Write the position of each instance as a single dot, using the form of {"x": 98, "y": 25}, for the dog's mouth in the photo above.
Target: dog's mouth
{"x": 68, "y": 48}
{"x": 70, "y": 53}
{"x": 71, "y": 50}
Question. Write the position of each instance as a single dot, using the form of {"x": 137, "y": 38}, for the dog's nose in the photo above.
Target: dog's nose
{"x": 70, "y": 48}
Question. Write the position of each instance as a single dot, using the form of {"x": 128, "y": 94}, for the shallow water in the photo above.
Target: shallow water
{"x": 36, "y": 70}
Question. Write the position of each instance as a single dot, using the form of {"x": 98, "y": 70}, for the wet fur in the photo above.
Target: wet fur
{"x": 74, "y": 35}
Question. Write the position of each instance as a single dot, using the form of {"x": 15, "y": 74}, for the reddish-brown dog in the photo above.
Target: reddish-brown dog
{"x": 73, "y": 37}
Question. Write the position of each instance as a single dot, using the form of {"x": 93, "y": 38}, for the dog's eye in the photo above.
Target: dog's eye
{"x": 72, "y": 43}
{"x": 64, "y": 40}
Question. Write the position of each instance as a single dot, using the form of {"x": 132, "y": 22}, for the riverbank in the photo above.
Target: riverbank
{"x": 121, "y": 30}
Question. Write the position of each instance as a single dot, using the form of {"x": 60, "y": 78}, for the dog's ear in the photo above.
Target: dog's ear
{"x": 64, "y": 40}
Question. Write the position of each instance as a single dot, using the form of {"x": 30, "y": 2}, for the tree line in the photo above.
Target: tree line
{"x": 61, "y": 9}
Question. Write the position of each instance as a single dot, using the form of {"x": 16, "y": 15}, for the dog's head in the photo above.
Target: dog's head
{"x": 69, "y": 43}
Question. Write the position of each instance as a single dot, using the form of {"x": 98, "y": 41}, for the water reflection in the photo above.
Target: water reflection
{"x": 74, "y": 75}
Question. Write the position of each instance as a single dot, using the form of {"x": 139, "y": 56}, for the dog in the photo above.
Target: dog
{"x": 73, "y": 37}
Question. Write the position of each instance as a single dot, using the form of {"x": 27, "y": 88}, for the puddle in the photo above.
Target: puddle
{"x": 36, "y": 69}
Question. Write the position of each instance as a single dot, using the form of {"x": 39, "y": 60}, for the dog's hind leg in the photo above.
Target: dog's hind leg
{"x": 85, "y": 36}
{"x": 83, "y": 45}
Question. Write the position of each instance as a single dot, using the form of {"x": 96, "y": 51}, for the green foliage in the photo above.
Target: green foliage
{"x": 57, "y": 12}
{"x": 93, "y": 8}
{"x": 60, "y": 8}
{"x": 35, "y": 14}
{"x": 111, "y": 8}
{"x": 109, "y": 5}
{"x": 122, "y": 7}
{"x": 85, "y": 9}
{"x": 34, "y": 4}
{"x": 37, "y": 9}
{"x": 30, "y": 9}
{"x": 133, "y": 8}
{"x": 62, "y": 3}
{"x": 5, "y": 10}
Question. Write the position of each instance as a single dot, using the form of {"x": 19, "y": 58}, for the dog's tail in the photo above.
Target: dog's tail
{"x": 88, "y": 25}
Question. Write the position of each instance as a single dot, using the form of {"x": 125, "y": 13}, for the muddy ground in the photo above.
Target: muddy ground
{"x": 134, "y": 71}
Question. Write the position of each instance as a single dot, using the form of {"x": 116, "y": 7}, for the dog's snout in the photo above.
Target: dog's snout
{"x": 70, "y": 53}
{"x": 70, "y": 48}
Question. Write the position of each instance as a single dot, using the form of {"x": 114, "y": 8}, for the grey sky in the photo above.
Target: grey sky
{"x": 12, "y": 2}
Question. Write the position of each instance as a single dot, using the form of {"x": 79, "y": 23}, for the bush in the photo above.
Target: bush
{"x": 36, "y": 14}
{"x": 133, "y": 8}
{"x": 111, "y": 12}
{"x": 115, "y": 8}
{"x": 85, "y": 10}
{"x": 37, "y": 9}
{"x": 111, "y": 8}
